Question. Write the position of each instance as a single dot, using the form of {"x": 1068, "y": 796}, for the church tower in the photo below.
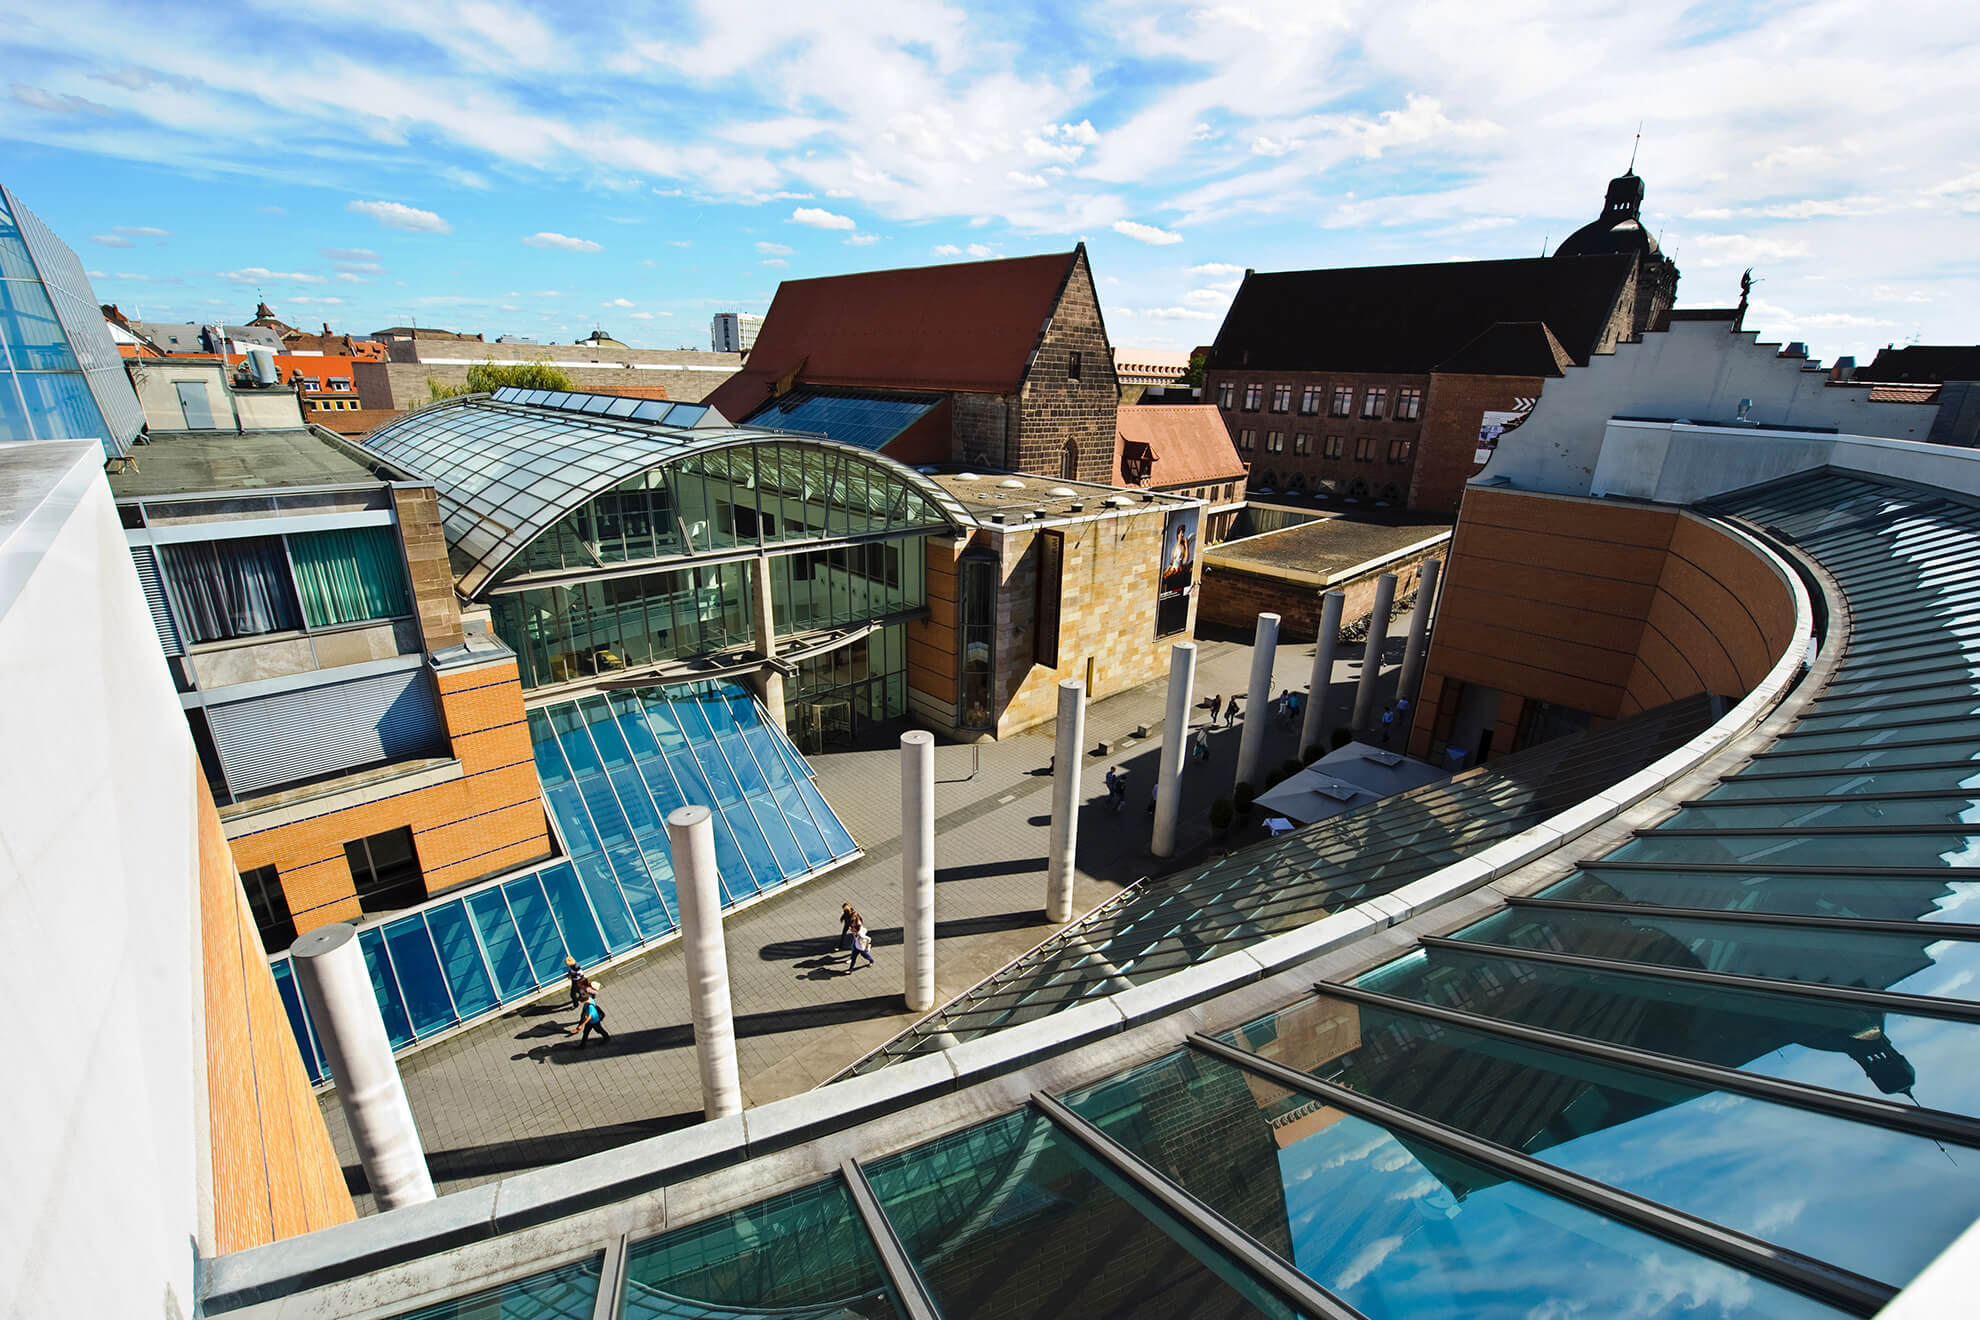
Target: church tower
{"x": 1620, "y": 229}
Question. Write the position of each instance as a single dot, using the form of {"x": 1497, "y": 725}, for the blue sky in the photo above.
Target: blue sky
{"x": 541, "y": 170}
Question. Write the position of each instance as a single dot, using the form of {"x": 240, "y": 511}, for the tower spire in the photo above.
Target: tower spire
{"x": 1633, "y": 146}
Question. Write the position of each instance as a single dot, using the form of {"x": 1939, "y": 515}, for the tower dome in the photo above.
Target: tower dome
{"x": 1620, "y": 226}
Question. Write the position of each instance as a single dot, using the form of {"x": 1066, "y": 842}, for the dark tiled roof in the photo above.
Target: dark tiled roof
{"x": 1407, "y": 319}
{"x": 1924, "y": 364}
{"x": 966, "y": 326}
{"x": 1511, "y": 348}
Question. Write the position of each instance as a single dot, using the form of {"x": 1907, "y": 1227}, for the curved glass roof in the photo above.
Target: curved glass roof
{"x": 507, "y": 466}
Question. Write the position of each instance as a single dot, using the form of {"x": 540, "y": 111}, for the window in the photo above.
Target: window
{"x": 1409, "y": 405}
{"x": 1302, "y": 444}
{"x": 1399, "y": 451}
{"x": 1225, "y": 391}
{"x": 1072, "y": 366}
{"x": 1336, "y": 446}
{"x": 1275, "y": 443}
{"x": 386, "y": 870}
{"x": 1373, "y": 404}
{"x": 1309, "y": 400}
{"x": 1364, "y": 449}
{"x": 1051, "y": 587}
{"x": 1281, "y": 398}
{"x": 270, "y": 907}
{"x": 1247, "y": 440}
{"x": 340, "y": 382}
{"x": 1069, "y": 461}
{"x": 1252, "y": 394}
{"x": 226, "y": 589}
{"x": 1343, "y": 405}
{"x": 979, "y": 635}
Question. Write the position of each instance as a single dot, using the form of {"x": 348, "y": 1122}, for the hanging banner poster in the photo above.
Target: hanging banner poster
{"x": 1496, "y": 423}
{"x": 1177, "y": 571}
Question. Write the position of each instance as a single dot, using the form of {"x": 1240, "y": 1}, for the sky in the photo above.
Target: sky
{"x": 544, "y": 170}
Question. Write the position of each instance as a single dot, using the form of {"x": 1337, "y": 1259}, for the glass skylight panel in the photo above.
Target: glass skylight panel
{"x": 1394, "y": 1226}
{"x": 1908, "y": 964}
{"x": 867, "y": 421}
{"x": 1873, "y": 898}
{"x": 569, "y": 1292}
{"x": 1930, "y": 1061}
{"x": 1729, "y": 1158}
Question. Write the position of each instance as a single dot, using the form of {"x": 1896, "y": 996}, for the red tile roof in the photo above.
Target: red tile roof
{"x": 969, "y": 326}
{"x": 1190, "y": 443}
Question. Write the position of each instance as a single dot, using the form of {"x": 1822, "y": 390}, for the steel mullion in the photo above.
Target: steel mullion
{"x": 1863, "y": 750}
{"x": 1892, "y": 1001}
{"x": 1828, "y": 1283}
{"x": 1761, "y": 868}
{"x": 1947, "y": 685}
{"x": 1739, "y": 916}
{"x": 1844, "y": 772}
{"x": 1936, "y": 1124}
{"x": 1290, "y": 1283}
{"x": 1807, "y": 831}
{"x": 1837, "y": 799}
{"x": 903, "y": 1279}
{"x": 441, "y": 967}
{"x": 1970, "y": 717}
{"x": 611, "y": 1280}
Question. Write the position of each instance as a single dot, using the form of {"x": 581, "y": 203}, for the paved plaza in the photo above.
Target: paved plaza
{"x": 515, "y": 1092}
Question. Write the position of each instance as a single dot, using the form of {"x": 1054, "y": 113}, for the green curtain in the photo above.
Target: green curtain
{"x": 349, "y": 576}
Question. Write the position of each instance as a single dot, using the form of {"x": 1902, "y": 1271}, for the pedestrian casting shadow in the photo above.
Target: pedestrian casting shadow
{"x": 679, "y": 1037}
{"x": 503, "y": 1157}
{"x": 541, "y": 1029}
{"x": 980, "y": 870}
{"x": 824, "y": 950}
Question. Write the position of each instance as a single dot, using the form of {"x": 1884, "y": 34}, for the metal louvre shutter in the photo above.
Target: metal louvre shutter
{"x": 288, "y": 736}
{"x": 154, "y": 596}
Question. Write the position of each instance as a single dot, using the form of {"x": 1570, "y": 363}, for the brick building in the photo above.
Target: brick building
{"x": 1388, "y": 384}
{"x": 1001, "y": 365}
{"x": 1182, "y": 449}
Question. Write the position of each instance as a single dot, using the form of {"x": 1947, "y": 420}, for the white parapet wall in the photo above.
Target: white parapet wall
{"x": 103, "y": 1108}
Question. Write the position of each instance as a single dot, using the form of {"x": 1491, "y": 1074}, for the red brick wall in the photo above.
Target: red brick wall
{"x": 490, "y": 819}
{"x": 1446, "y": 452}
{"x": 1314, "y": 466}
{"x": 1235, "y": 598}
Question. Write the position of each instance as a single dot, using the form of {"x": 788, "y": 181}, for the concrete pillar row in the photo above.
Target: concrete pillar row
{"x": 918, "y": 869}
{"x": 1411, "y": 677}
{"x": 1175, "y": 746}
{"x": 1258, "y": 701}
{"x": 1371, "y": 652}
{"x": 1314, "y": 727}
{"x": 1065, "y": 801}
{"x": 336, "y": 985}
{"x": 697, "y": 888}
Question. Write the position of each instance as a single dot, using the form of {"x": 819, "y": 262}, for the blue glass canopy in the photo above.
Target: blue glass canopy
{"x": 852, "y": 417}
{"x": 612, "y": 767}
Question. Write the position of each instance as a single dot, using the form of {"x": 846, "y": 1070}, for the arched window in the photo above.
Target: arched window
{"x": 1069, "y": 461}
{"x": 1391, "y": 494}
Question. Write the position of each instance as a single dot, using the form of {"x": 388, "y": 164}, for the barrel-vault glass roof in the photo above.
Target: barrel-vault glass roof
{"x": 511, "y": 467}
{"x": 61, "y": 377}
{"x": 1730, "y": 1068}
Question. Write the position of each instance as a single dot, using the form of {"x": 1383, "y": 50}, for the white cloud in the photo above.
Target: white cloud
{"x": 1177, "y": 314}
{"x": 1222, "y": 269}
{"x": 397, "y": 215}
{"x": 57, "y": 102}
{"x": 465, "y": 178}
{"x": 862, "y": 240}
{"x": 822, "y": 219}
{"x": 1744, "y": 249}
{"x": 563, "y": 242}
{"x": 620, "y": 302}
{"x": 349, "y": 254}
{"x": 774, "y": 249}
{"x": 111, "y": 240}
{"x": 263, "y": 275}
{"x": 773, "y": 261}
{"x": 947, "y": 250}
{"x": 1141, "y": 233}
{"x": 980, "y": 250}
{"x": 140, "y": 231}
{"x": 642, "y": 316}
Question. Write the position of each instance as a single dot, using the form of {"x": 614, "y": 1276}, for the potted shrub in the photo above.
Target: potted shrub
{"x": 1221, "y": 815}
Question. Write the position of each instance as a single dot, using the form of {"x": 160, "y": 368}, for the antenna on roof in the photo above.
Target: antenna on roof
{"x": 1633, "y": 147}
{"x": 1543, "y": 243}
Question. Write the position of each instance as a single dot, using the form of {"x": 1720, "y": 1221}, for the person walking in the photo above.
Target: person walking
{"x": 1388, "y": 722}
{"x": 1199, "y": 744}
{"x": 577, "y": 979}
{"x": 846, "y": 918}
{"x": 591, "y": 1017}
{"x": 1216, "y": 707}
{"x": 862, "y": 944}
{"x": 1231, "y": 713}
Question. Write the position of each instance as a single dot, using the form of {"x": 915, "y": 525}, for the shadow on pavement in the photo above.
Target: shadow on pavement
{"x": 501, "y": 1157}
{"x": 565, "y": 1050}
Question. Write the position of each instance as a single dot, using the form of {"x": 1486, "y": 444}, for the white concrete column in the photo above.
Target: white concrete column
{"x": 1419, "y": 631}
{"x": 1258, "y": 701}
{"x": 918, "y": 869}
{"x": 1065, "y": 801}
{"x": 1175, "y": 746}
{"x": 1371, "y": 652}
{"x": 1313, "y": 728}
{"x": 697, "y": 888}
{"x": 336, "y": 985}
{"x": 764, "y": 623}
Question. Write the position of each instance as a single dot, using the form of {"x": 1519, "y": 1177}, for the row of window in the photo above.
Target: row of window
{"x": 250, "y": 585}
{"x": 334, "y": 405}
{"x": 384, "y": 869}
{"x": 1333, "y": 446}
{"x": 1374, "y": 401}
